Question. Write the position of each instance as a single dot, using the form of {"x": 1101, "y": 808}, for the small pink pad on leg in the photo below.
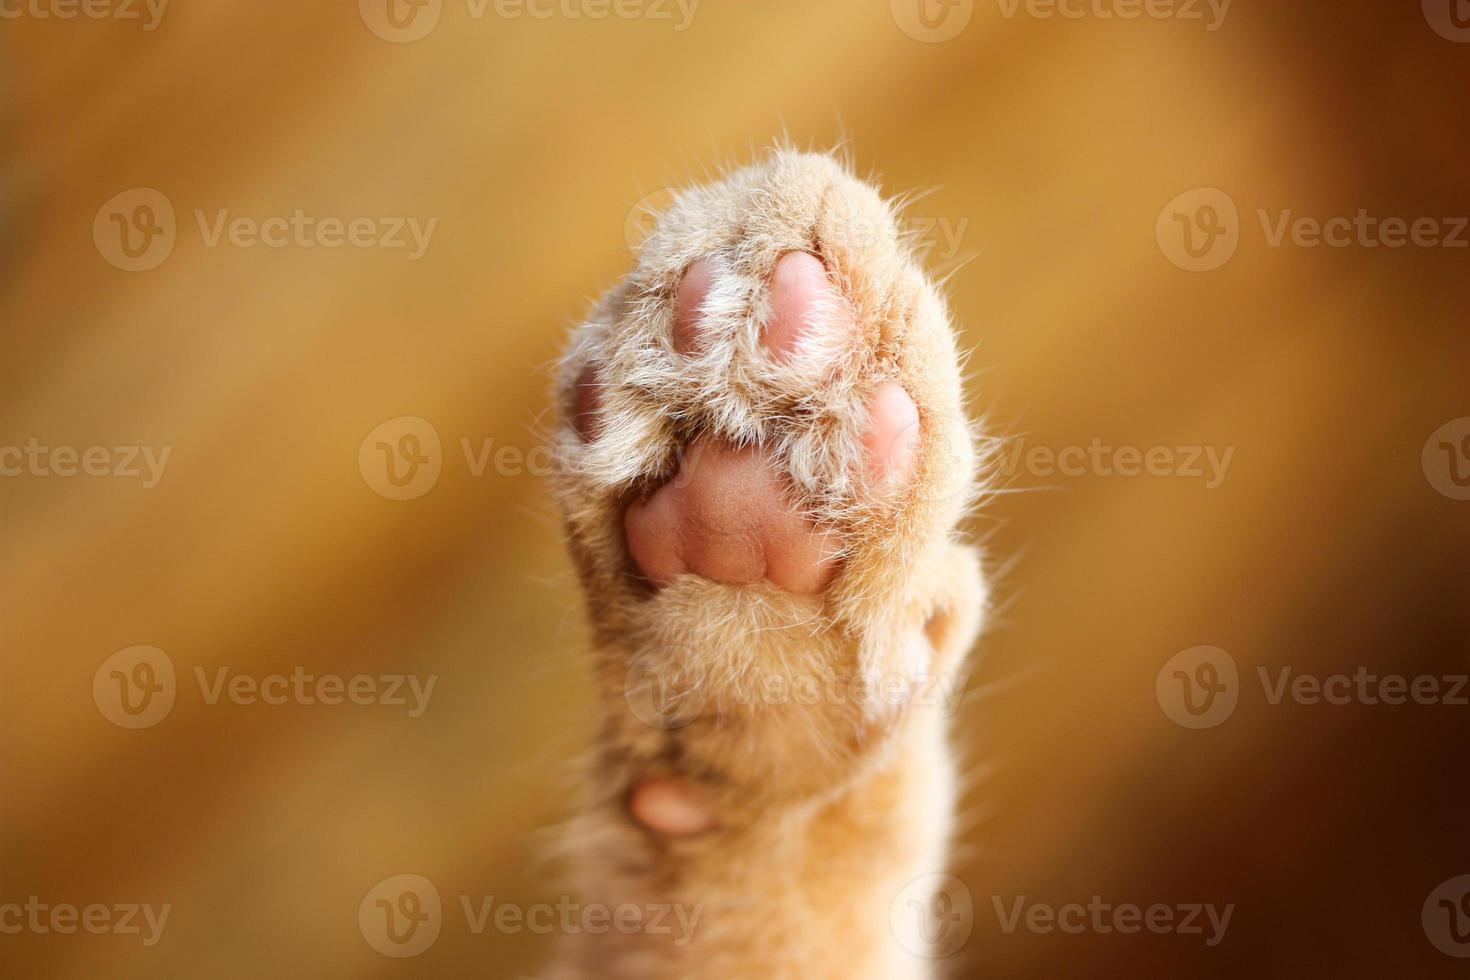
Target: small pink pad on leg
{"x": 670, "y": 807}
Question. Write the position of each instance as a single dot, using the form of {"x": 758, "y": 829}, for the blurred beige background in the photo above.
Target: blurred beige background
{"x": 1055, "y": 149}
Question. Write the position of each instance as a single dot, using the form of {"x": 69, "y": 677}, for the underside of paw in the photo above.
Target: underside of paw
{"x": 762, "y": 457}
{"x": 770, "y": 396}
{"x": 763, "y": 454}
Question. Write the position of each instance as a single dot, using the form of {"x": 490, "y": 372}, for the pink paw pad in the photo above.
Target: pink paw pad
{"x": 728, "y": 516}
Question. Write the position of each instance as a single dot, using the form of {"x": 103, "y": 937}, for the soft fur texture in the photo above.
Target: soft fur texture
{"x": 825, "y": 811}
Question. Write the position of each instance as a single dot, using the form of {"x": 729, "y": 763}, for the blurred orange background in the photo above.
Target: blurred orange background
{"x": 1056, "y": 149}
